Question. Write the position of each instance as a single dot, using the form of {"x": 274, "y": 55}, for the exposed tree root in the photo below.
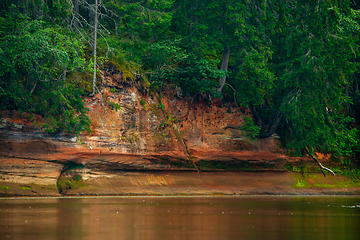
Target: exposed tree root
{"x": 320, "y": 165}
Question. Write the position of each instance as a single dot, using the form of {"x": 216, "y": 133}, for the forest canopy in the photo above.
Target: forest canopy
{"x": 293, "y": 63}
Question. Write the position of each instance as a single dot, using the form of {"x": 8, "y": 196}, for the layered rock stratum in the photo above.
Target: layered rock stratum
{"x": 135, "y": 135}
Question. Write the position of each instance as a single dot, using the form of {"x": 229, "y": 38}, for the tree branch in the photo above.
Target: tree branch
{"x": 234, "y": 97}
{"x": 320, "y": 165}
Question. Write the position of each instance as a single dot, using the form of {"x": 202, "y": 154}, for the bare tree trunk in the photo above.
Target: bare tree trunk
{"x": 94, "y": 40}
{"x": 116, "y": 28}
{"x": 95, "y": 27}
{"x": 63, "y": 78}
{"x": 224, "y": 67}
{"x": 320, "y": 165}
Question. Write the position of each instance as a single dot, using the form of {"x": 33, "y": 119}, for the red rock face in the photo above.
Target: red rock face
{"x": 149, "y": 124}
{"x": 133, "y": 130}
{"x": 145, "y": 130}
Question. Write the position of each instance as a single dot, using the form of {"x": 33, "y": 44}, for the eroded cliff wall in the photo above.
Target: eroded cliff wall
{"x": 134, "y": 129}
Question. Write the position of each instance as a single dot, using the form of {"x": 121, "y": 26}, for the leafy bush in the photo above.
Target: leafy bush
{"x": 173, "y": 66}
{"x": 345, "y": 142}
{"x": 34, "y": 59}
{"x": 252, "y": 130}
{"x": 63, "y": 110}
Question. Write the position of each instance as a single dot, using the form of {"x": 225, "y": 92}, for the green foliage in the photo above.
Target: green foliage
{"x": 206, "y": 27}
{"x": 173, "y": 66}
{"x": 164, "y": 124}
{"x": 34, "y": 59}
{"x": 354, "y": 174}
{"x": 140, "y": 19}
{"x": 63, "y": 110}
{"x": 294, "y": 63}
{"x": 252, "y": 130}
{"x": 346, "y": 140}
{"x": 77, "y": 177}
{"x": 312, "y": 80}
{"x": 122, "y": 55}
{"x": 255, "y": 77}
{"x": 114, "y": 106}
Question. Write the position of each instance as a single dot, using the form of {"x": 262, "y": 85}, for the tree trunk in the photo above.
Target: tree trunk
{"x": 224, "y": 67}
{"x": 95, "y": 28}
{"x": 94, "y": 40}
{"x": 116, "y": 28}
{"x": 63, "y": 78}
{"x": 258, "y": 120}
{"x": 270, "y": 131}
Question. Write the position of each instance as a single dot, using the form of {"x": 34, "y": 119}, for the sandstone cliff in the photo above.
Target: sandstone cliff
{"x": 135, "y": 130}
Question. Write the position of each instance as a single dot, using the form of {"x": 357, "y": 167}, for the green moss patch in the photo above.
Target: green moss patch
{"x": 319, "y": 181}
{"x": 66, "y": 183}
{"x": 26, "y": 187}
{"x": 302, "y": 184}
{"x": 5, "y": 187}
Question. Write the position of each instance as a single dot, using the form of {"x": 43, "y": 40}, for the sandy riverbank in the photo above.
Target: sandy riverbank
{"x": 86, "y": 182}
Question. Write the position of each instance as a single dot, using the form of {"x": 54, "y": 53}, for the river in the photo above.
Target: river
{"x": 150, "y": 218}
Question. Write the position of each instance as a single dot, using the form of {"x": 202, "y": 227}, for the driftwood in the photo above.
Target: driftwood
{"x": 320, "y": 165}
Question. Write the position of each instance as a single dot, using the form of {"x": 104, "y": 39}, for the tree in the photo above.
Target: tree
{"x": 93, "y": 41}
{"x": 298, "y": 80}
{"x": 212, "y": 29}
{"x": 172, "y": 65}
{"x": 33, "y": 57}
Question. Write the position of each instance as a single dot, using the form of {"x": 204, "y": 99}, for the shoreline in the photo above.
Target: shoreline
{"x": 184, "y": 196}
{"x": 87, "y": 183}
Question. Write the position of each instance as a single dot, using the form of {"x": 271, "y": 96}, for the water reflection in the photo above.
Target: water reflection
{"x": 181, "y": 218}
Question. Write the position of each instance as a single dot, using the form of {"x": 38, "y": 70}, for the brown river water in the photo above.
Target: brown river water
{"x": 250, "y": 217}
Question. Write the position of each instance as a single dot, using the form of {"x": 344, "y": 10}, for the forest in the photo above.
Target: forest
{"x": 294, "y": 63}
